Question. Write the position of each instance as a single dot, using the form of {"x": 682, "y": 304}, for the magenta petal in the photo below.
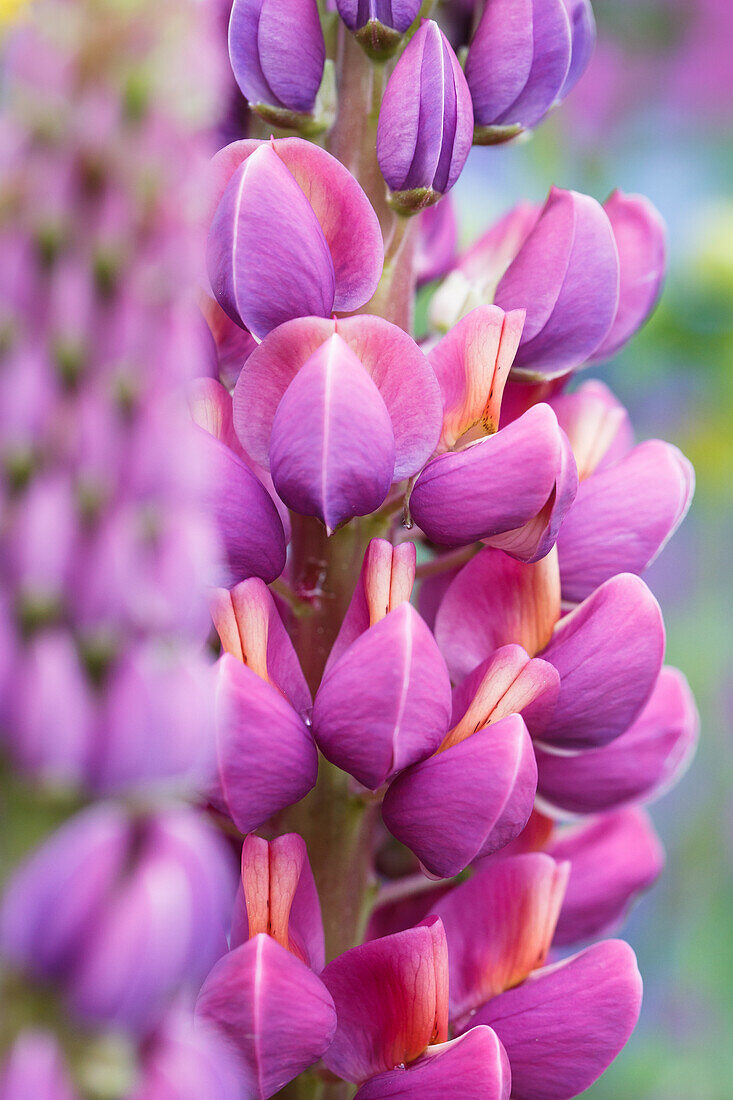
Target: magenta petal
{"x": 392, "y": 359}
{"x": 292, "y": 276}
{"x": 273, "y": 1011}
{"x": 385, "y": 581}
{"x": 641, "y": 239}
{"x": 385, "y": 703}
{"x": 507, "y": 682}
{"x": 564, "y": 1026}
{"x": 499, "y": 926}
{"x": 623, "y": 516}
{"x": 347, "y": 219}
{"x": 474, "y": 1067}
{"x": 566, "y": 276}
{"x": 640, "y": 764}
{"x": 391, "y": 998}
{"x": 609, "y": 653}
{"x": 612, "y": 860}
{"x": 251, "y": 532}
{"x": 267, "y": 759}
{"x": 484, "y": 490}
{"x": 495, "y": 601}
{"x": 34, "y": 1069}
{"x": 468, "y": 801}
{"x": 332, "y": 449}
{"x": 277, "y": 52}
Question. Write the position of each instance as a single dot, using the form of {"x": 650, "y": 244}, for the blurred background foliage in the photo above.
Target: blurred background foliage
{"x": 652, "y": 114}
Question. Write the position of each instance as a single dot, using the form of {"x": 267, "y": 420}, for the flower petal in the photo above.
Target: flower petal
{"x": 564, "y": 1026}
{"x": 623, "y": 516}
{"x": 597, "y": 425}
{"x": 474, "y": 1067}
{"x": 267, "y": 759}
{"x": 612, "y": 860}
{"x": 643, "y": 762}
{"x": 332, "y": 449}
{"x": 609, "y": 653}
{"x": 495, "y": 601}
{"x": 390, "y": 357}
{"x": 385, "y": 703}
{"x": 391, "y": 998}
{"x": 499, "y": 926}
{"x": 468, "y": 801}
{"x": 272, "y": 1009}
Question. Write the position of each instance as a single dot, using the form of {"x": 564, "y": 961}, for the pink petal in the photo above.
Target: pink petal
{"x": 612, "y": 860}
{"x": 262, "y": 286}
{"x": 623, "y": 516}
{"x": 495, "y": 601}
{"x": 499, "y": 926}
{"x": 390, "y": 357}
{"x": 564, "y": 1026}
{"x": 385, "y": 581}
{"x": 272, "y": 1009}
{"x": 267, "y": 759}
{"x": 250, "y": 628}
{"x": 468, "y": 801}
{"x": 391, "y": 998}
{"x": 507, "y": 682}
{"x": 609, "y": 653}
{"x": 643, "y": 762}
{"x": 597, "y": 425}
{"x": 385, "y": 703}
{"x": 332, "y": 449}
{"x": 474, "y": 1067}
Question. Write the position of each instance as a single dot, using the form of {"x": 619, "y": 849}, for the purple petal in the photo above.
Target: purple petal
{"x": 332, "y": 449}
{"x": 507, "y": 682}
{"x": 250, "y": 628}
{"x": 390, "y": 357}
{"x": 267, "y": 759}
{"x": 426, "y": 118}
{"x": 34, "y": 1067}
{"x": 564, "y": 1026}
{"x": 277, "y": 51}
{"x": 583, "y": 31}
{"x": 499, "y": 926}
{"x": 385, "y": 703}
{"x": 483, "y": 491}
{"x": 597, "y": 425}
{"x": 566, "y": 276}
{"x": 474, "y": 1067}
{"x": 640, "y": 764}
{"x": 391, "y": 998}
{"x": 273, "y": 1011}
{"x": 186, "y": 1059}
{"x": 468, "y": 801}
{"x": 472, "y": 363}
{"x": 518, "y": 61}
{"x": 623, "y": 516}
{"x": 612, "y": 860}
{"x": 386, "y": 580}
{"x": 641, "y": 239}
{"x": 349, "y": 224}
{"x": 398, "y": 14}
{"x": 609, "y": 653}
{"x": 293, "y": 276}
{"x": 279, "y": 897}
{"x": 495, "y": 601}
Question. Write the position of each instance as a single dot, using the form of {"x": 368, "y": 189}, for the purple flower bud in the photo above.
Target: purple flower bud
{"x": 277, "y": 53}
{"x": 378, "y": 24}
{"x": 425, "y": 122}
{"x": 525, "y": 56}
{"x": 139, "y": 909}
